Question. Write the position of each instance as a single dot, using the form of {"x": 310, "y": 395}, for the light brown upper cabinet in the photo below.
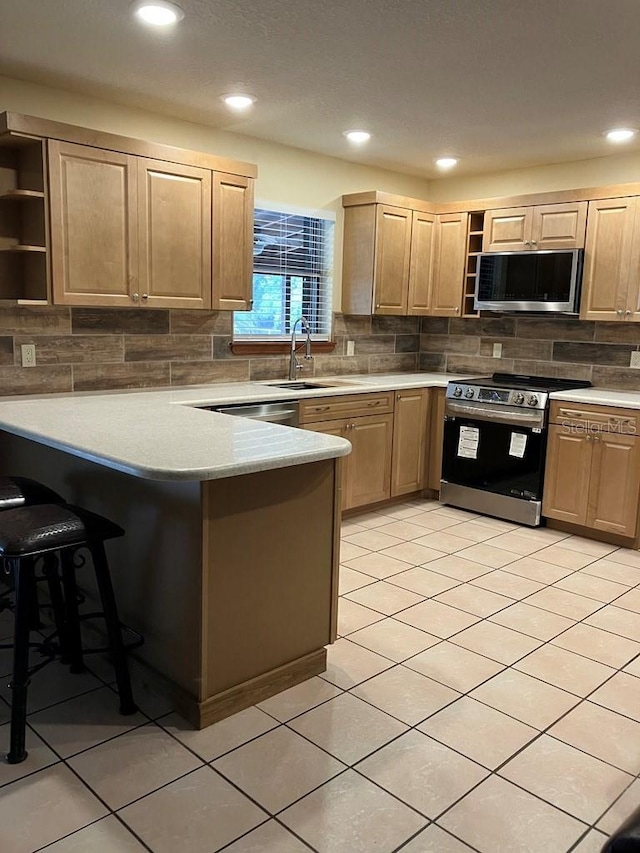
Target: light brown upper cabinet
{"x": 402, "y": 261}
{"x": 128, "y": 231}
{"x": 232, "y": 242}
{"x": 610, "y": 282}
{"x": 549, "y": 226}
{"x": 174, "y": 232}
{"x": 449, "y": 265}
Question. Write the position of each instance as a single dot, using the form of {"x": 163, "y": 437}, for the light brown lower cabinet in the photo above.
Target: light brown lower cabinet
{"x": 435, "y": 439}
{"x": 366, "y": 472}
{"x": 410, "y": 418}
{"x": 593, "y": 479}
{"x": 390, "y": 448}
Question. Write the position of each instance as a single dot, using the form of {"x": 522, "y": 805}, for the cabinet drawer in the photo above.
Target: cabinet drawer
{"x": 595, "y": 418}
{"x": 348, "y": 406}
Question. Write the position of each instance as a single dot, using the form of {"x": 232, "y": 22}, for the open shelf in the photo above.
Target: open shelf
{"x": 474, "y": 250}
{"x": 24, "y": 267}
{"x": 20, "y": 195}
{"x": 22, "y": 248}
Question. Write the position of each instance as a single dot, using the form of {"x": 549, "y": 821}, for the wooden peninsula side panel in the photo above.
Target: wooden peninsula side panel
{"x": 233, "y": 582}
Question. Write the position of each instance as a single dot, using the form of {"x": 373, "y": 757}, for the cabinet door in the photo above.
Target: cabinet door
{"x": 391, "y": 267}
{"x": 507, "y": 230}
{"x": 94, "y": 237}
{"x": 436, "y": 438}
{"x": 608, "y": 259}
{"x": 339, "y": 429}
{"x": 615, "y": 484}
{"x": 449, "y": 264}
{"x": 559, "y": 226}
{"x": 409, "y": 441}
{"x": 232, "y": 242}
{"x": 175, "y": 235}
{"x": 369, "y": 475}
{"x": 567, "y": 473}
{"x": 423, "y": 233}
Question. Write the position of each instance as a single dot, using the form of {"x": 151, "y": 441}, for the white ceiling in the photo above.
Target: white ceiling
{"x": 499, "y": 83}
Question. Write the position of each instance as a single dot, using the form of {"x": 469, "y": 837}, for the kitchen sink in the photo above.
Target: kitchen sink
{"x": 300, "y": 386}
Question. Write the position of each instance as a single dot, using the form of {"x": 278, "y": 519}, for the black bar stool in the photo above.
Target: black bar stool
{"x": 22, "y": 491}
{"x": 627, "y": 838}
{"x": 27, "y": 533}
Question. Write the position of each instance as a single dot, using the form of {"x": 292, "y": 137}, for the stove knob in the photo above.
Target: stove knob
{"x": 457, "y": 391}
{"x": 518, "y": 399}
{"x": 468, "y": 393}
{"x": 533, "y": 400}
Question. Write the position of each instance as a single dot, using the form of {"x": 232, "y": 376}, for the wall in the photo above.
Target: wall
{"x": 598, "y": 171}
{"x": 88, "y": 349}
{"x": 288, "y": 175}
{"x": 559, "y": 347}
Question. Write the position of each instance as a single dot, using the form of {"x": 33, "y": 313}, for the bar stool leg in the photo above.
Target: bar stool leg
{"x": 24, "y": 591}
{"x": 57, "y": 604}
{"x": 127, "y": 705}
{"x": 73, "y": 637}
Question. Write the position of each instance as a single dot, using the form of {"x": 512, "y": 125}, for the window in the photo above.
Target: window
{"x": 292, "y": 276}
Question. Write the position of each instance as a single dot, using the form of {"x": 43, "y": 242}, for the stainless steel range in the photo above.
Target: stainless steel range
{"x": 495, "y": 438}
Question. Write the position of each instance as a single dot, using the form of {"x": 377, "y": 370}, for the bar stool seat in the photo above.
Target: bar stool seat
{"x": 56, "y": 532}
{"x": 21, "y": 491}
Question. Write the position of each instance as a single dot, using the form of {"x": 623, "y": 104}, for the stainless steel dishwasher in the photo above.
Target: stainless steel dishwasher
{"x": 282, "y": 412}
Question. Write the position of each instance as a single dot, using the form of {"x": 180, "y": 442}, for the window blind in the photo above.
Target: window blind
{"x": 292, "y": 276}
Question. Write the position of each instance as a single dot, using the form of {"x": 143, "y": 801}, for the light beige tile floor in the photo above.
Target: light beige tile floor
{"x": 484, "y": 695}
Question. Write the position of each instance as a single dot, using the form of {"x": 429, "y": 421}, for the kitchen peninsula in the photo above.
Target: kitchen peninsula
{"x": 229, "y": 563}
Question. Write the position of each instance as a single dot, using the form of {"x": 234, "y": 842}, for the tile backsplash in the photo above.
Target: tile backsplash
{"x": 95, "y": 349}
{"x": 555, "y": 346}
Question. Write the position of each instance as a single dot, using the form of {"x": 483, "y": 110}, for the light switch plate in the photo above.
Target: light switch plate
{"x": 28, "y": 354}
{"x": 497, "y": 350}
{"x": 635, "y": 359}
{"x": 351, "y": 348}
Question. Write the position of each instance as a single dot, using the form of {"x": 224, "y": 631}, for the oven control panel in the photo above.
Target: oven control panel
{"x": 520, "y": 398}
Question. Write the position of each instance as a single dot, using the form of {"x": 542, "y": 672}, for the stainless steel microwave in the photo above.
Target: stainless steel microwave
{"x": 529, "y": 281}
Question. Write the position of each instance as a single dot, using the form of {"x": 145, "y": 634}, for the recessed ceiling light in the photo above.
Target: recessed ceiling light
{"x": 239, "y": 102}
{"x": 158, "y": 13}
{"x": 357, "y": 136}
{"x": 620, "y": 134}
{"x": 446, "y": 162}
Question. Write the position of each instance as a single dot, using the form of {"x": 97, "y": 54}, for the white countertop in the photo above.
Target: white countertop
{"x": 159, "y": 435}
{"x": 600, "y": 397}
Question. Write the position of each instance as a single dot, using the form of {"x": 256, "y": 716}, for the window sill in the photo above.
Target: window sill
{"x": 276, "y": 347}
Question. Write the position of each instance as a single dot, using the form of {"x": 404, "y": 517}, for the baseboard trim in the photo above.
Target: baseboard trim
{"x": 215, "y": 708}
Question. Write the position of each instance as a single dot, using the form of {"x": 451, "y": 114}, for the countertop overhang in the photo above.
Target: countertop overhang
{"x": 163, "y": 435}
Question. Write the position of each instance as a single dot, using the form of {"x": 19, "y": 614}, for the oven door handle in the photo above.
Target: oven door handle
{"x": 519, "y": 417}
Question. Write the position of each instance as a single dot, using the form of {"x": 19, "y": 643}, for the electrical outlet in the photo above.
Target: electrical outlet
{"x": 351, "y": 347}
{"x": 635, "y": 359}
{"x": 28, "y": 352}
{"x": 497, "y": 350}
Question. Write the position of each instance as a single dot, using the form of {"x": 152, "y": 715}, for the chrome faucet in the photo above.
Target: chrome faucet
{"x": 294, "y": 367}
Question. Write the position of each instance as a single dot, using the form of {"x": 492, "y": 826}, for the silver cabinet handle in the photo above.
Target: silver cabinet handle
{"x": 627, "y": 312}
{"x": 588, "y": 438}
{"x": 145, "y": 295}
{"x": 619, "y": 312}
{"x": 534, "y": 242}
{"x": 378, "y": 305}
{"x": 527, "y": 242}
{"x": 374, "y": 403}
{"x": 135, "y": 296}
{"x": 457, "y": 310}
